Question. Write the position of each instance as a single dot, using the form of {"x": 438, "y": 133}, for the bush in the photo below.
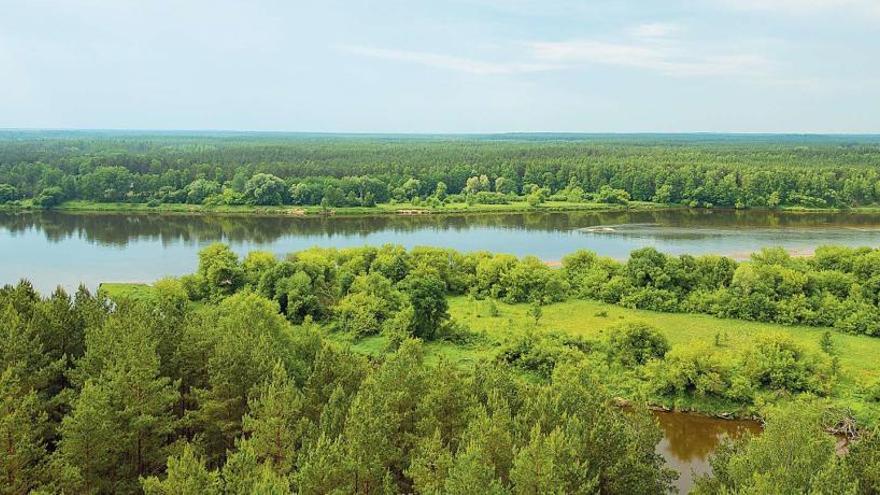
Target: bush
{"x": 537, "y": 353}
{"x": 695, "y": 370}
{"x": 608, "y": 194}
{"x": 8, "y": 193}
{"x": 636, "y": 343}
{"x": 776, "y": 362}
{"x": 50, "y": 197}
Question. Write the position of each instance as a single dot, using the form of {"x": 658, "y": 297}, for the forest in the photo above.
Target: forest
{"x": 42, "y": 169}
{"x": 247, "y": 376}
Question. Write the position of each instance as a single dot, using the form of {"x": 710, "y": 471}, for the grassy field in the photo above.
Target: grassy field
{"x": 858, "y": 353}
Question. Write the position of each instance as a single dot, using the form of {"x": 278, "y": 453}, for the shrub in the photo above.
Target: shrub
{"x": 608, "y": 194}
{"x": 636, "y": 343}
{"x": 776, "y": 362}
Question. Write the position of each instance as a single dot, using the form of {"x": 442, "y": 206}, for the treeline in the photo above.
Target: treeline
{"x": 837, "y": 286}
{"x": 340, "y": 172}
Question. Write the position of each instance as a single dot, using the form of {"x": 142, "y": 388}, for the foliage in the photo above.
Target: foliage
{"x": 634, "y": 344}
{"x": 792, "y": 455}
{"x": 741, "y": 172}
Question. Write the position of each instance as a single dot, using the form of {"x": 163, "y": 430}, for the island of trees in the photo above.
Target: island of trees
{"x": 364, "y": 371}
{"x": 84, "y": 170}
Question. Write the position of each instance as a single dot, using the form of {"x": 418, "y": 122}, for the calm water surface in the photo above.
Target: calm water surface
{"x": 68, "y": 248}
{"x": 689, "y": 440}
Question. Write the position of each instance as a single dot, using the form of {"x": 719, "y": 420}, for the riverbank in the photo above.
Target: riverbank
{"x": 395, "y": 209}
{"x": 384, "y": 209}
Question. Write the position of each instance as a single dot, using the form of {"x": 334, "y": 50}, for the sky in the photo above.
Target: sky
{"x": 457, "y": 66}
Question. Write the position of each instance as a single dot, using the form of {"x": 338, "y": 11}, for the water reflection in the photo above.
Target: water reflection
{"x": 52, "y": 247}
{"x": 689, "y": 440}
{"x": 121, "y": 229}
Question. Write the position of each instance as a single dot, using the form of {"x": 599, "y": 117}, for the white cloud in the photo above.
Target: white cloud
{"x": 668, "y": 59}
{"x": 651, "y": 47}
{"x": 449, "y": 62}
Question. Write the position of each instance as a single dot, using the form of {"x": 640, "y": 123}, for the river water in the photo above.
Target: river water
{"x": 52, "y": 248}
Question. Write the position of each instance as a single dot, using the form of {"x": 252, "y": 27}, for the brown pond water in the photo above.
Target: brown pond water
{"x": 690, "y": 439}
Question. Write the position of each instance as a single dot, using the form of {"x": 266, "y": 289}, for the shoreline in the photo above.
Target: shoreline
{"x": 400, "y": 209}
{"x": 382, "y": 210}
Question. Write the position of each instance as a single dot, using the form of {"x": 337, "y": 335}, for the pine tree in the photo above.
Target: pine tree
{"x": 275, "y": 424}
{"x": 122, "y": 421}
{"x": 23, "y": 426}
{"x": 246, "y": 336}
{"x": 325, "y": 469}
{"x": 430, "y": 465}
{"x": 540, "y": 466}
{"x": 186, "y": 475}
{"x": 471, "y": 468}
{"x": 244, "y": 474}
{"x": 384, "y": 416}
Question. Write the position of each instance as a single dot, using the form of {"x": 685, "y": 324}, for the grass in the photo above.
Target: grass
{"x": 138, "y": 292}
{"x": 380, "y": 209}
{"x": 858, "y": 353}
{"x": 518, "y": 206}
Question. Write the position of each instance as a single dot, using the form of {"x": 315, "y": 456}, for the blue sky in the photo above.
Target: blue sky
{"x": 442, "y": 66}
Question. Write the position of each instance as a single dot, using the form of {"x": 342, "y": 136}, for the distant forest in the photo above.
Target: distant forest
{"x": 731, "y": 171}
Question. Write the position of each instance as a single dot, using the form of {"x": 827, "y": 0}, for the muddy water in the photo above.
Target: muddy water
{"x": 690, "y": 439}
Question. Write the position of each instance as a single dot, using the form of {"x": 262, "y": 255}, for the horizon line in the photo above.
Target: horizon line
{"x": 439, "y": 133}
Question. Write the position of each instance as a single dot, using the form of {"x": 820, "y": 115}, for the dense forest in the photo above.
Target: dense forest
{"x": 209, "y": 386}
{"x": 44, "y": 169}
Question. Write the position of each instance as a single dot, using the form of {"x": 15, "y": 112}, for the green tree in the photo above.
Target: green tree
{"x": 23, "y": 429}
{"x": 636, "y": 343}
{"x": 427, "y": 295}
{"x": 186, "y": 475}
{"x": 792, "y": 455}
{"x": 50, "y": 197}
{"x": 265, "y": 189}
{"x": 200, "y": 189}
{"x": 8, "y": 193}
{"x": 123, "y": 419}
{"x": 220, "y": 269}
{"x": 275, "y": 427}
{"x": 430, "y": 465}
{"x": 471, "y": 468}
{"x": 440, "y": 191}
{"x": 244, "y": 337}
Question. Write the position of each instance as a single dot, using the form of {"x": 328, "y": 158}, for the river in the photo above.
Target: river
{"x": 53, "y": 248}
